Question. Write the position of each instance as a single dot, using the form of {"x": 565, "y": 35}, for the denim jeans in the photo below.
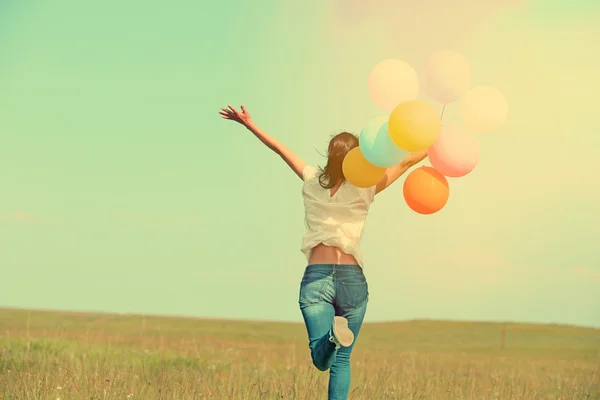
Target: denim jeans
{"x": 328, "y": 290}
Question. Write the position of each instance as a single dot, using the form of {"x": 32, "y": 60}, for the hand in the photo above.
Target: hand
{"x": 243, "y": 117}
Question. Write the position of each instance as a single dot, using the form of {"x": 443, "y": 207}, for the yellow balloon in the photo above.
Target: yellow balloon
{"x": 414, "y": 125}
{"x": 359, "y": 172}
{"x": 483, "y": 109}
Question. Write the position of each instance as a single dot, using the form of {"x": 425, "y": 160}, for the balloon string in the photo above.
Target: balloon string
{"x": 443, "y": 109}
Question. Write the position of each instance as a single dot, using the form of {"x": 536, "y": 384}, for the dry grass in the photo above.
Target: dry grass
{"x": 50, "y": 355}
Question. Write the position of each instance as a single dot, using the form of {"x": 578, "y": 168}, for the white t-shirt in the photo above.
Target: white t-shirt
{"x": 336, "y": 220}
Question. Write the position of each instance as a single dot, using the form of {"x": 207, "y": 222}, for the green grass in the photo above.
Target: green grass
{"x": 50, "y": 355}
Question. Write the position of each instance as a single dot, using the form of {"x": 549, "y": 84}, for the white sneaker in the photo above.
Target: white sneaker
{"x": 341, "y": 334}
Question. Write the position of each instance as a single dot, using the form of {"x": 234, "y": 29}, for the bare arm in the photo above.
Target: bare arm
{"x": 395, "y": 172}
{"x": 292, "y": 159}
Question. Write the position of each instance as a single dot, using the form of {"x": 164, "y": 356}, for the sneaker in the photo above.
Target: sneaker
{"x": 341, "y": 334}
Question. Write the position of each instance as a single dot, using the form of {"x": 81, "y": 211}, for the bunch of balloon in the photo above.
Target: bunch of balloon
{"x": 412, "y": 125}
{"x": 446, "y": 78}
{"x": 415, "y": 125}
{"x": 391, "y": 82}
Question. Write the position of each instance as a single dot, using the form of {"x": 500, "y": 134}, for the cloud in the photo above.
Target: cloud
{"x": 21, "y": 216}
{"x": 464, "y": 266}
{"x": 423, "y": 26}
{"x": 486, "y": 266}
{"x": 467, "y": 272}
{"x": 587, "y": 279}
{"x": 154, "y": 219}
{"x": 584, "y": 272}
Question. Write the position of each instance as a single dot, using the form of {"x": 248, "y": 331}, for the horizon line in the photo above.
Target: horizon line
{"x": 275, "y": 321}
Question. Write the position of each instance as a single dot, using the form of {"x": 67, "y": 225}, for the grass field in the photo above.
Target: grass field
{"x": 51, "y": 355}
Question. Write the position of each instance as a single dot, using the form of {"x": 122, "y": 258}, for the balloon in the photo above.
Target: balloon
{"x": 483, "y": 109}
{"x": 392, "y": 82}
{"x": 359, "y": 172}
{"x": 377, "y": 145}
{"x": 446, "y": 76}
{"x": 414, "y": 125}
{"x": 425, "y": 190}
{"x": 455, "y": 153}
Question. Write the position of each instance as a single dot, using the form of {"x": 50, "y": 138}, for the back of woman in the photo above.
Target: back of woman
{"x": 336, "y": 220}
{"x": 334, "y": 292}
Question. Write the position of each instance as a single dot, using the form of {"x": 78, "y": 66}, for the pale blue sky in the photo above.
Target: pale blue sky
{"x": 124, "y": 191}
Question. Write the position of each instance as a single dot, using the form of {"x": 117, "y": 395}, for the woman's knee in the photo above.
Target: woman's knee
{"x": 318, "y": 364}
{"x": 320, "y": 367}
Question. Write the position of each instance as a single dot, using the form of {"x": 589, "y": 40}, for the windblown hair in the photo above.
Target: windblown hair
{"x": 339, "y": 146}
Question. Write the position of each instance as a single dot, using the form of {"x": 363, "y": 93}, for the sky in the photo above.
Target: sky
{"x": 124, "y": 191}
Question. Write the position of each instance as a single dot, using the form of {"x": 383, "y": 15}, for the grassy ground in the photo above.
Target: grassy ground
{"x": 51, "y": 355}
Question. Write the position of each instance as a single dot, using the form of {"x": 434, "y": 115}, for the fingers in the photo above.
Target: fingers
{"x": 233, "y": 110}
{"x": 236, "y": 112}
{"x": 225, "y": 113}
{"x": 245, "y": 111}
{"x": 233, "y": 114}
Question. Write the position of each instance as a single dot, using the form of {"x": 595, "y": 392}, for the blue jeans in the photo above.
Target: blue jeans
{"x": 328, "y": 290}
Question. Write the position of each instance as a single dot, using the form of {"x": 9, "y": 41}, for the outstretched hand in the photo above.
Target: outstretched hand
{"x": 243, "y": 117}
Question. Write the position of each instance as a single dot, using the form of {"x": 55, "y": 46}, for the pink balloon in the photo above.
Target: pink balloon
{"x": 455, "y": 153}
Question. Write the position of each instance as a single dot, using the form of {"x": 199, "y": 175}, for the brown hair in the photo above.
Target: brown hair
{"x": 339, "y": 146}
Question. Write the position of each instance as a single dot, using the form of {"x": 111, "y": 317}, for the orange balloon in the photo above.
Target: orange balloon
{"x": 426, "y": 191}
{"x": 359, "y": 172}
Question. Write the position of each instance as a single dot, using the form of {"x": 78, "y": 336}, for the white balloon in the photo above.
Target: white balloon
{"x": 446, "y": 76}
{"x": 392, "y": 82}
{"x": 483, "y": 109}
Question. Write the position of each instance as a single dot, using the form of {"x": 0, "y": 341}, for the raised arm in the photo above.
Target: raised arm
{"x": 292, "y": 159}
{"x": 393, "y": 173}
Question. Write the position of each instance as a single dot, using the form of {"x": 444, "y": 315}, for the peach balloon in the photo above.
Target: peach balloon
{"x": 455, "y": 153}
{"x": 426, "y": 191}
{"x": 392, "y": 82}
{"x": 359, "y": 172}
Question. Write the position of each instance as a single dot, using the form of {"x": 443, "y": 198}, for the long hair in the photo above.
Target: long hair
{"x": 339, "y": 146}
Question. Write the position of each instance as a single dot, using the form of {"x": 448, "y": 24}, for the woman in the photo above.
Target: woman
{"x": 334, "y": 292}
